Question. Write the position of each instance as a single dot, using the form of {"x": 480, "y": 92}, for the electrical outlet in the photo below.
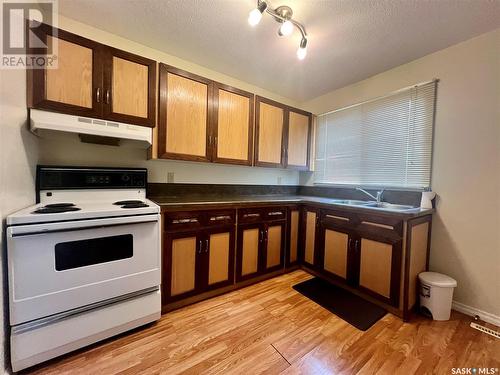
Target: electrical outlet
{"x": 170, "y": 177}
{"x": 279, "y": 180}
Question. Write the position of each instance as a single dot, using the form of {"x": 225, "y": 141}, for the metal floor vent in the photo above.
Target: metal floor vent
{"x": 485, "y": 330}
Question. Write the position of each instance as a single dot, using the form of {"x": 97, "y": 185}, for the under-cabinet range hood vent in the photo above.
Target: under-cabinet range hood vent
{"x": 87, "y": 129}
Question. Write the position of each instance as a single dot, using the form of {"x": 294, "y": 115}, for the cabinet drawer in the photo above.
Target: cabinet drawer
{"x": 181, "y": 220}
{"x": 275, "y": 213}
{"x": 219, "y": 217}
{"x": 251, "y": 215}
{"x": 380, "y": 226}
{"x": 336, "y": 218}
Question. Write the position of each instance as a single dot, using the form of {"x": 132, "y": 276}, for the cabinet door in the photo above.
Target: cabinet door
{"x": 129, "y": 94}
{"x": 273, "y": 246}
{"x": 269, "y": 135}
{"x": 298, "y": 139}
{"x": 336, "y": 253}
{"x": 250, "y": 237}
{"x": 184, "y": 115}
{"x": 233, "y": 125}
{"x": 181, "y": 265}
{"x": 75, "y": 86}
{"x": 219, "y": 250}
{"x": 293, "y": 237}
{"x": 310, "y": 220}
{"x": 379, "y": 268}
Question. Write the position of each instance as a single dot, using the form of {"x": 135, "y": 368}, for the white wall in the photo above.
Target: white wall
{"x": 18, "y": 157}
{"x": 76, "y": 153}
{"x": 63, "y": 152}
{"x": 466, "y": 160}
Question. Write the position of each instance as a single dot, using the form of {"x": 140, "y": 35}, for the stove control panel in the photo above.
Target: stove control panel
{"x": 55, "y": 178}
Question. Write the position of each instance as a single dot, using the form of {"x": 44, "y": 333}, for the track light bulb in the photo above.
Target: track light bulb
{"x": 286, "y": 28}
{"x": 255, "y": 15}
{"x": 302, "y": 51}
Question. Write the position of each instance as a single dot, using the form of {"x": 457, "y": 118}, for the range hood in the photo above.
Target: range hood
{"x": 90, "y": 130}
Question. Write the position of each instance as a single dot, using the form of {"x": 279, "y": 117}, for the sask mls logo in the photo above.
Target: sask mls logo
{"x": 28, "y": 44}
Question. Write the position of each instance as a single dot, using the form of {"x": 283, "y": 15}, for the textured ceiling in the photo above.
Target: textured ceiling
{"x": 348, "y": 40}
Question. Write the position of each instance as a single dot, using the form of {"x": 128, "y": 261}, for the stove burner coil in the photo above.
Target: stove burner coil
{"x": 55, "y": 210}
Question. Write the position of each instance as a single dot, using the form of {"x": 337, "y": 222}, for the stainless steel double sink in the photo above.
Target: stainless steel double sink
{"x": 373, "y": 204}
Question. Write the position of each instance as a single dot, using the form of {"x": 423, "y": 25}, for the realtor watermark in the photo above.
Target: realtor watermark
{"x": 474, "y": 370}
{"x": 29, "y": 34}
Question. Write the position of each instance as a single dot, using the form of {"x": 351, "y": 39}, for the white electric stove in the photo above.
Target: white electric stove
{"x": 84, "y": 263}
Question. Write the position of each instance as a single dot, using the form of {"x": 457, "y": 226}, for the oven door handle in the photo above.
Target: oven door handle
{"x": 47, "y": 228}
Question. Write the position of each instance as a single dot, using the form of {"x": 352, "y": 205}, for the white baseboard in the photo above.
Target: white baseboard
{"x": 483, "y": 315}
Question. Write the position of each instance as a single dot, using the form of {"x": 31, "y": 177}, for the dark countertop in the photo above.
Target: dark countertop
{"x": 169, "y": 203}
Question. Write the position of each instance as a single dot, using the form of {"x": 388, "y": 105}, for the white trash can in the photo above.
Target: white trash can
{"x": 436, "y": 294}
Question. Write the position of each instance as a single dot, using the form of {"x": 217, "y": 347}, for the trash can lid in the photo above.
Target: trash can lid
{"x": 437, "y": 279}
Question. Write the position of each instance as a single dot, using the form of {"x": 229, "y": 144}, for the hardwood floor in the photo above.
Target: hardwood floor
{"x": 270, "y": 328}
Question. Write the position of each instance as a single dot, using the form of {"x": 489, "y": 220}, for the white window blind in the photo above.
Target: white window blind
{"x": 382, "y": 142}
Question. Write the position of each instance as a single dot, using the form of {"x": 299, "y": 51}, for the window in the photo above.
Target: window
{"x": 382, "y": 142}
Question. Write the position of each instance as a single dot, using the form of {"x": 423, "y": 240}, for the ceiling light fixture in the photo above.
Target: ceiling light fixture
{"x": 283, "y": 15}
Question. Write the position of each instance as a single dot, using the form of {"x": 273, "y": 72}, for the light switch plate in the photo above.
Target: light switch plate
{"x": 170, "y": 177}
{"x": 279, "y": 180}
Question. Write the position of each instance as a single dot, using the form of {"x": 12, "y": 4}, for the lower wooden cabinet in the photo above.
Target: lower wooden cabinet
{"x": 197, "y": 261}
{"x": 293, "y": 238}
{"x": 380, "y": 268}
{"x": 337, "y": 257}
{"x": 219, "y": 249}
{"x": 273, "y": 246}
{"x": 181, "y": 265}
{"x": 356, "y": 253}
{"x": 248, "y": 251}
{"x": 260, "y": 249}
{"x": 206, "y": 250}
{"x": 310, "y": 219}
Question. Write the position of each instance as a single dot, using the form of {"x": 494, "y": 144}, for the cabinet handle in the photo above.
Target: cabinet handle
{"x": 200, "y": 247}
{"x": 107, "y": 96}
{"x": 337, "y": 217}
{"x": 184, "y": 221}
{"x": 261, "y": 235}
{"x": 251, "y": 215}
{"x": 349, "y": 244}
{"x": 207, "y": 245}
{"x": 222, "y": 217}
{"x": 275, "y": 213}
{"x": 356, "y": 248}
{"x": 98, "y": 95}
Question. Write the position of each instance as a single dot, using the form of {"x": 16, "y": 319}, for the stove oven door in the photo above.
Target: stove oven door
{"x": 56, "y": 267}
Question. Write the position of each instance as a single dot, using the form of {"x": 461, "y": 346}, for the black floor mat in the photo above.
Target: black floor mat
{"x": 347, "y": 306}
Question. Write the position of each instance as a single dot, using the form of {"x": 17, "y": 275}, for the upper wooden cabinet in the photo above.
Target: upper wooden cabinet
{"x": 298, "y": 139}
{"x": 202, "y": 120}
{"x": 282, "y": 136}
{"x": 270, "y": 122}
{"x": 129, "y": 82}
{"x": 76, "y": 86}
{"x": 232, "y": 128}
{"x": 94, "y": 80}
{"x": 184, "y": 115}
